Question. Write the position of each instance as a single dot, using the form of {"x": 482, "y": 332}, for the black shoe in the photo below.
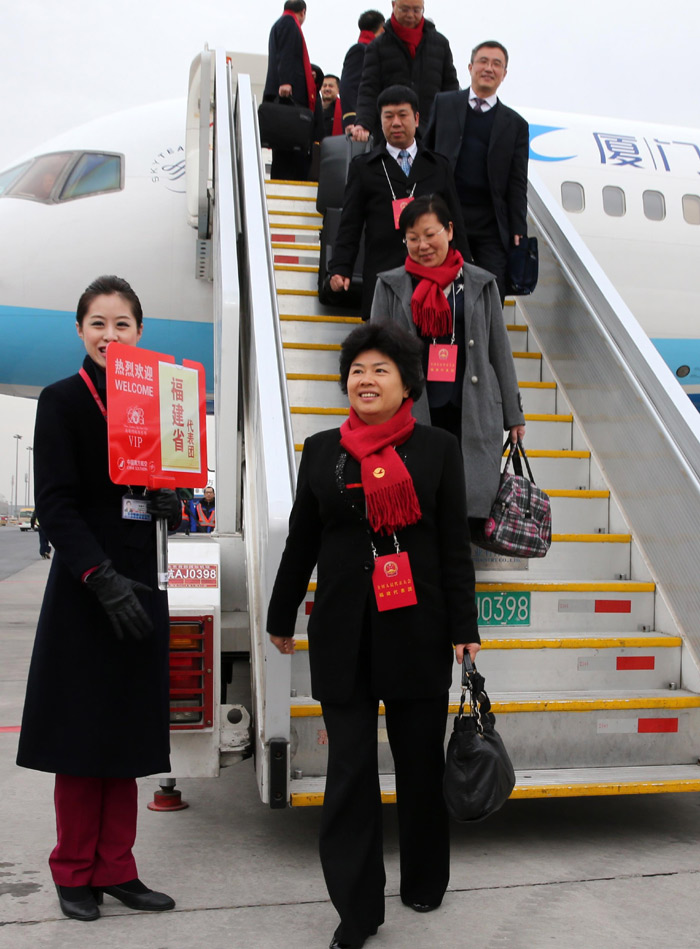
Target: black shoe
{"x": 338, "y": 942}
{"x": 421, "y": 907}
{"x": 77, "y": 902}
{"x": 135, "y": 895}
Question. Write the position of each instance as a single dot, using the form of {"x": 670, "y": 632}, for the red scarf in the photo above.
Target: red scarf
{"x": 411, "y": 36}
{"x": 389, "y": 492}
{"x": 366, "y": 37}
{"x": 431, "y": 311}
{"x": 310, "y": 84}
{"x": 337, "y": 118}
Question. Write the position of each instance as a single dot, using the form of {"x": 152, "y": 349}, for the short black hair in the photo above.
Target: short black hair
{"x": 490, "y": 43}
{"x": 296, "y": 6}
{"x": 390, "y": 339}
{"x": 329, "y": 75}
{"x": 371, "y": 20}
{"x": 105, "y": 286}
{"x": 397, "y": 95}
{"x": 425, "y": 204}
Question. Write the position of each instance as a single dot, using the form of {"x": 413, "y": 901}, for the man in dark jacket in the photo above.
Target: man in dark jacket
{"x": 371, "y": 24}
{"x": 289, "y": 77}
{"x": 379, "y": 185}
{"x": 487, "y": 145}
{"x": 410, "y": 53}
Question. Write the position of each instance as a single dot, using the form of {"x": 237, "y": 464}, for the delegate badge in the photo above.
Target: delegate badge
{"x": 397, "y": 206}
{"x": 442, "y": 362}
{"x": 393, "y": 582}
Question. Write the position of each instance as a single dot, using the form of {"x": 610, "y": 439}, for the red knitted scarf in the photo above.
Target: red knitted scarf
{"x": 366, "y": 37}
{"x": 411, "y": 36}
{"x": 310, "y": 84}
{"x": 389, "y": 492}
{"x": 431, "y": 311}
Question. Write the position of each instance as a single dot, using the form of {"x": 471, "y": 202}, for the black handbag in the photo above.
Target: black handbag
{"x": 520, "y": 523}
{"x": 479, "y": 775}
{"x": 285, "y": 125}
{"x": 522, "y": 268}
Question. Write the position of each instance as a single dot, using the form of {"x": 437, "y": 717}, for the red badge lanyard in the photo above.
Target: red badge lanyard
{"x": 93, "y": 391}
{"x": 392, "y": 580}
{"x": 442, "y": 357}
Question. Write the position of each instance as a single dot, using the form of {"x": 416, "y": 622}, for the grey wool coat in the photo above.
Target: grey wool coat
{"x": 491, "y": 401}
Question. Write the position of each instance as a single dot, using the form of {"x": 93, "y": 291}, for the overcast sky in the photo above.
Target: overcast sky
{"x": 62, "y": 64}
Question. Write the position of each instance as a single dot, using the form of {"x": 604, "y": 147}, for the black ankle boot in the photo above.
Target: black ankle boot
{"x": 136, "y": 895}
{"x": 77, "y": 902}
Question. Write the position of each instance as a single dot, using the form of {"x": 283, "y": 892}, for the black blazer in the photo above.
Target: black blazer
{"x": 96, "y": 706}
{"x": 350, "y": 81}
{"x": 410, "y": 648}
{"x": 367, "y": 202}
{"x": 507, "y": 158}
{"x": 285, "y": 61}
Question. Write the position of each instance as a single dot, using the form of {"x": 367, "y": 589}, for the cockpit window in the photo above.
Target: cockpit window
{"x": 64, "y": 176}
{"x": 7, "y": 177}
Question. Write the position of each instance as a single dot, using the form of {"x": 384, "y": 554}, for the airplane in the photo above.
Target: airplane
{"x": 112, "y": 197}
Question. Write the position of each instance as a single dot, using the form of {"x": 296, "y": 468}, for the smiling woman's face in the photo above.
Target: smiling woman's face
{"x": 109, "y": 318}
{"x": 375, "y": 387}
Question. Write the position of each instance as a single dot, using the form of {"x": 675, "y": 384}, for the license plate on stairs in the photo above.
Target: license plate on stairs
{"x": 503, "y": 609}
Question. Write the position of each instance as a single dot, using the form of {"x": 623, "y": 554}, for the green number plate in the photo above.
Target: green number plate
{"x": 503, "y": 609}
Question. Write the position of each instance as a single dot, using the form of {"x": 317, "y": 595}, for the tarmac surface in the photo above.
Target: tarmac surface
{"x": 578, "y": 873}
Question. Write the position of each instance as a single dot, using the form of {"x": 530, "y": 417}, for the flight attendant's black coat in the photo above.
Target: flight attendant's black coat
{"x": 96, "y": 706}
{"x": 410, "y": 648}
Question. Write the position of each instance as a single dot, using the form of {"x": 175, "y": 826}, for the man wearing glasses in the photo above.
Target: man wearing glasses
{"x": 410, "y": 52}
{"x": 487, "y": 145}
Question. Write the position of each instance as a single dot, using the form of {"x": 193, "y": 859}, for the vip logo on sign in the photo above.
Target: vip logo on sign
{"x": 168, "y": 169}
{"x": 135, "y": 415}
{"x": 391, "y": 568}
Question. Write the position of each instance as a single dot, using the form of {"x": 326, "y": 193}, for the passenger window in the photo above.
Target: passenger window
{"x": 614, "y": 201}
{"x": 93, "y": 174}
{"x": 691, "y": 208}
{"x": 654, "y": 205}
{"x": 39, "y": 179}
{"x": 7, "y": 177}
{"x": 572, "y": 196}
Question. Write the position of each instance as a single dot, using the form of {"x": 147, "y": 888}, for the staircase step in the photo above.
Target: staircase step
{"x": 563, "y": 782}
{"x": 275, "y": 186}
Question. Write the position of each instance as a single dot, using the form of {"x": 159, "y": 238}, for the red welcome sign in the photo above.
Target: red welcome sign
{"x": 156, "y": 419}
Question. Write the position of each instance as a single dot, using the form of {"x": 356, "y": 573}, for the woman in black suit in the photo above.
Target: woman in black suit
{"x": 377, "y": 492}
{"x": 96, "y": 711}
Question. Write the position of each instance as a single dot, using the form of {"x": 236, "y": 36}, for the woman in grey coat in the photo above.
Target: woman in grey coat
{"x": 456, "y": 309}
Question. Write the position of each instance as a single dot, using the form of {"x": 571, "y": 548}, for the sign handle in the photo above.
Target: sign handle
{"x": 162, "y": 545}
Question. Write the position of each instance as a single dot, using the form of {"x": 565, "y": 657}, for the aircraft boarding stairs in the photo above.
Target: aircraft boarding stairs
{"x": 581, "y": 657}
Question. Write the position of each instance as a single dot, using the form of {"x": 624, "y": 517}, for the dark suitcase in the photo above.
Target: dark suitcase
{"x": 285, "y": 125}
{"x": 342, "y": 298}
{"x": 522, "y": 268}
{"x": 337, "y": 152}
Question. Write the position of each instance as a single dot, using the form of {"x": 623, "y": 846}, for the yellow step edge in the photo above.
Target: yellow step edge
{"x": 294, "y": 268}
{"x": 292, "y": 245}
{"x": 553, "y": 586}
{"x": 591, "y": 538}
{"x": 528, "y": 706}
{"x": 334, "y": 378}
{"x": 576, "y": 493}
{"x": 284, "y": 181}
{"x": 294, "y": 227}
{"x": 297, "y": 293}
{"x": 509, "y": 302}
{"x": 577, "y": 642}
{"x": 527, "y": 355}
{"x": 586, "y": 789}
{"x": 533, "y": 453}
{"x": 291, "y": 197}
{"x": 313, "y": 377}
{"x": 516, "y": 327}
{"x": 326, "y": 347}
{"x": 321, "y": 410}
{"x": 547, "y": 417}
{"x": 274, "y": 212}
{"x": 537, "y": 385}
{"x": 303, "y": 318}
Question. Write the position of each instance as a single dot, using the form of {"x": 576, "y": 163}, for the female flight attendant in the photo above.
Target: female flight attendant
{"x": 96, "y": 710}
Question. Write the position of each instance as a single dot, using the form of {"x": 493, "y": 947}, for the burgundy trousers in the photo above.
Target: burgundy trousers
{"x": 96, "y": 829}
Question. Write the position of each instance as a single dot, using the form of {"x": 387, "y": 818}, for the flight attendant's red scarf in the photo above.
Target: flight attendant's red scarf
{"x": 389, "y": 492}
{"x": 410, "y": 35}
{"x": 310, "y": 84}
{"x": 429, "y": 306}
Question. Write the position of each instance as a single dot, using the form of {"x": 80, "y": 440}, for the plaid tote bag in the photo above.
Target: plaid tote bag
{"x": 520, "y": 524}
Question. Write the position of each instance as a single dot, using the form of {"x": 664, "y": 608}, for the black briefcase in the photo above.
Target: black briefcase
{"x": 337, "y": 151}
{"x": 285, "y": 125}
{"x": 522, "y": 268}
{"x": 352, "y": 297}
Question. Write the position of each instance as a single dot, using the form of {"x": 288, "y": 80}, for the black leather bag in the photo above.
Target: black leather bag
{"x": 522, "y": 268}
{"x": 479, "y": 775}
{"x": 285, "y": 125}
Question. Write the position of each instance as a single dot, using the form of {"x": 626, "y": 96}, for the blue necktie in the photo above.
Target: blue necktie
{"x": 405, "y": 162}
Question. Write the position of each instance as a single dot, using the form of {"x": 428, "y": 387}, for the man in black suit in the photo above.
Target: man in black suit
{"x": 371, "y": 24}
{"x": 289, "y": 77}
{"x": 379, "y": 185}
{"x": 487, "y": 145}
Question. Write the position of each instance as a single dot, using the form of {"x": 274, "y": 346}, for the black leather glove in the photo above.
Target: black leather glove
{"x": 117, "y": 594}
{"x": 165, "y": 503}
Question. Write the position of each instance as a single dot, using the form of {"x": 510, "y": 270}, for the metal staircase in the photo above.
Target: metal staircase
{"x": 582, "y": 658}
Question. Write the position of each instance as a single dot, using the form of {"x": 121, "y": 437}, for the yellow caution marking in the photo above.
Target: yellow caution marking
{"x": 537, "y": 385}
{"x": 313, "y": 377}
{"x": 592, "y": 538}
{"x": 548, "y": 417}
{"x": 556, "y": 453}
{"x": 576, "y": 493}
{"x": 273, "y": 212}
{"x": 326, "y": 347}
{"x": 292, "y": 197}
{"x": 292, "y": 245}
{"x": 297, "y": 293}
{"x": 516, "y": 328}
{"x": 293, "y": 227}
{"x": 561, "y": 642}
{"x": 313, "y": 410}
{"x": 545, "y": 586}
{"x": 295, "y": 268}
{"x": 527, "y": 355}
{"x": 303, "y": 318}
{"x": 284, "y": 181}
